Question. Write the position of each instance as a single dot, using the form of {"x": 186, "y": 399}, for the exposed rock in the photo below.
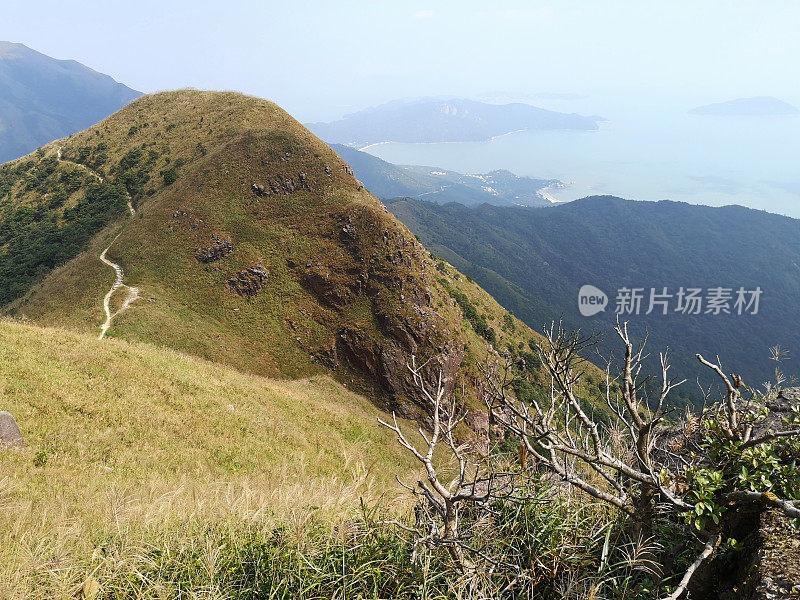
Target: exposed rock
{"x": 478, "y": 421}
{"x": 773, "y": 571}
{"x": 328, "y": 170}
{"x": 349, "y": 170}
{"x": 248, "y": 282}
{"x": 259, "y": 190}
{"x": 400, "y": 304}
{"x": 219, "y": 249}
{"x": 287, "y": 185}
{"x": 325, "y": 285}
{"x": 349, "y": 232}
{"x": 10, "y": 435}
{"x": 387, "y": 363}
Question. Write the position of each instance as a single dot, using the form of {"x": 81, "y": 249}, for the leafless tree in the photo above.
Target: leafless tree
{"x": 441, "y": 503}
{"x": 611, "y": 462}
{"x": 633, "y": 458}
{"x": 625, "y": 461}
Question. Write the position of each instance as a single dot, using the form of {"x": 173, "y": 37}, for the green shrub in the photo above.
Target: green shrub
{"x": 170, "y": 176}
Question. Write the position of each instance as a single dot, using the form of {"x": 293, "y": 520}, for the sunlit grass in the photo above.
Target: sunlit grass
{"x": 128, "y": 441}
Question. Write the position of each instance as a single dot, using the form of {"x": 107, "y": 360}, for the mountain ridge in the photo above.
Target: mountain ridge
{"x": 524, "y": 259}
{"x": 252, "y": 245}
{"x": 42, "y": 98}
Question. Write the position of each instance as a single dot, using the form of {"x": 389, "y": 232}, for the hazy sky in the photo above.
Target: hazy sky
{"x": 319, "y": 60}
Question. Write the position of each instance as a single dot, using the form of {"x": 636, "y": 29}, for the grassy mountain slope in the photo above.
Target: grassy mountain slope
{"x": 125, "y": 438}
{"x": 535, "y": 260}
{"x": 318, "y": 277}
{"x": 42, "y": 98}
{"x": 434, "y": 184}
{"x": 455, "y": 120}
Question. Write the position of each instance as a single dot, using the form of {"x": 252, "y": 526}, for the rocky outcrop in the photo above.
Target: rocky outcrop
{"x": 379, "y": 266}
{"x": 772, "y": 571}
{"x": 282, "y": 185}
{"x": 330, "y": 287}
{"x": 259, "y": 190}
{"x": 248, "y": 282}
{"x": 10, "y": 435}
{"x": 219, "y": 249}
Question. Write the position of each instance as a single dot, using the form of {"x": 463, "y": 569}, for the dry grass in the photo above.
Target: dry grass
{"x": 186, "y": 305}
{"x": 130, "y": 441}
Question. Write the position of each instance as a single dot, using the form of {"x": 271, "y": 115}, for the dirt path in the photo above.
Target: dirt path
{"x": 133, "y": 292}
{"x": 79, "y": 165}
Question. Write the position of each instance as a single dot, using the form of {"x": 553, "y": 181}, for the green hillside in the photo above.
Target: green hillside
{"x": 303, "y": 274}
{"x": 534, "y": 261}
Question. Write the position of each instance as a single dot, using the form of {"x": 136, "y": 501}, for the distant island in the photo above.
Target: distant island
{"x": 442, "y": 186}
{"x": 455, "y": 120}
{"x": 761, "y": 106}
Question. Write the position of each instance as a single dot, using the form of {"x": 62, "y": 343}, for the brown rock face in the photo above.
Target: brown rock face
{"x": 773, "y": 571}
{"x": 378, "y": 267}
{"x": 387, "y": 363}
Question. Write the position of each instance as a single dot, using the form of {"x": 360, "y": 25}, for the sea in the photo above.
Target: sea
{"x": 660, "y": 153}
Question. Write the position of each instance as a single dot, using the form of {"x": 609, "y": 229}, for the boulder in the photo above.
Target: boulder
{"x": 259, "y": 190}
{"x": 10, "y": 436}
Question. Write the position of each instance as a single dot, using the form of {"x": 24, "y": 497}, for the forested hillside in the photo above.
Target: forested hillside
{"x": 534, "y": 261}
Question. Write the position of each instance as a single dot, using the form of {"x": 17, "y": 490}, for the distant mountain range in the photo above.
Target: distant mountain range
{"x": 42, "y": 99}
{"x": 456, "y": 120}
{"x": 534, "y": 261}
{"x": 435, "y": 184}
{"x": 762, "y": 106}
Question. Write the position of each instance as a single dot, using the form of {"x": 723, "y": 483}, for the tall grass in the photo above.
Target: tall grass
{"x": 553, "y": 549}
{"x": 149, "y": 474}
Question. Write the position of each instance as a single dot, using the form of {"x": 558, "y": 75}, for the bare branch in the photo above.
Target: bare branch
{"x": 731, "y": 396}
{"x": 708, "y": 550}
{"x": 790, "y": 509}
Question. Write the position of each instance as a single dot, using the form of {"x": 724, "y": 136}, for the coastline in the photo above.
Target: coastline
{"x": 372, "y": 145}
{"x": 497, "y": 137}
{"x": 544, "y": 193}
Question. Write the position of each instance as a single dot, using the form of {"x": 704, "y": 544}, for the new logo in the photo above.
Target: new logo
{"x": 591, "y": 300}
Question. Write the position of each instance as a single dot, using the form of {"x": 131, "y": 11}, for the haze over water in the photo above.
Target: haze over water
{"x": 641, "y": 154}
